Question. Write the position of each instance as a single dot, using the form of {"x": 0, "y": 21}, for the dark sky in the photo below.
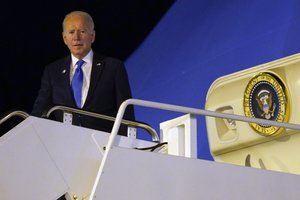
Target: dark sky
{"x": 31, "y": 38}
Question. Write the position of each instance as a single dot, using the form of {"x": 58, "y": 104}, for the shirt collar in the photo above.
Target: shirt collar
{"x": 88, "y": 58}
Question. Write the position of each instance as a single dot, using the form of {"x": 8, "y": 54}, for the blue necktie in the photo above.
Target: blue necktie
{"x": 77, "y": 83}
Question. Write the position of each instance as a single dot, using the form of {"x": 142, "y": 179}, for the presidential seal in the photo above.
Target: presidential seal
{"x": 265, "y": 97}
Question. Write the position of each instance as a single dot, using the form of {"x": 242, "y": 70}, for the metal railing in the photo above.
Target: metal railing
{"x": 134, "y": 124}
{"x": 176, "y": 108}
{"x": 17, "y": 113}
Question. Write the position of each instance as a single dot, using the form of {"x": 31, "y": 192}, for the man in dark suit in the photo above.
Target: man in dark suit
{"x": 103, "y": 81}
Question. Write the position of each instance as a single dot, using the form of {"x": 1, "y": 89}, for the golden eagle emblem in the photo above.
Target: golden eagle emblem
{"x": 264, "y": 100}
{"x": 266, "y": 97}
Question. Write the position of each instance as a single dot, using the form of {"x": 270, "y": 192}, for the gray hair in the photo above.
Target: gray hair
{"x": 86, "y": 15}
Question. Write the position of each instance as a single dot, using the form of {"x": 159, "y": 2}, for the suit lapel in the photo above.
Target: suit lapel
{"x": 97, "y": 68}
{"x": 65, "y": 73}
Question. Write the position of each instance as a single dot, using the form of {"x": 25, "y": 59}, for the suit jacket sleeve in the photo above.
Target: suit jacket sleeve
{"x": 43, "y": 100}
{"x": 123, "y": 91}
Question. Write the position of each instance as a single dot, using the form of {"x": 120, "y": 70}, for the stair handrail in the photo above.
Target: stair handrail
{"x": 18, "y": 113}
{"x": 135, "y": 124}
{"x": 175, "y": 108}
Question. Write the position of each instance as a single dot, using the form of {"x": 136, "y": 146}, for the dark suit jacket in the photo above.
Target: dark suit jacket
{"x": 109, "y": 87}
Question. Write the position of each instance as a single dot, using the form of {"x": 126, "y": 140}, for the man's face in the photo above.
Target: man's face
{"x": 78, "y": 36}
